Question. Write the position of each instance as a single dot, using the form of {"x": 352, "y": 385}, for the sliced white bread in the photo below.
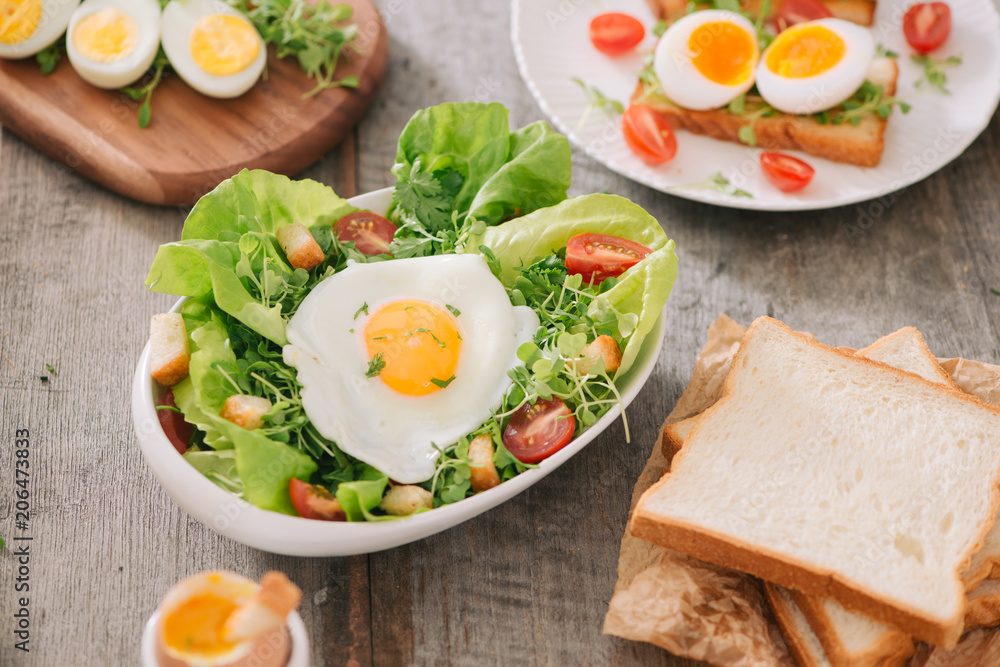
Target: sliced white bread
{"x": 804, "y": 475}
{"x": 801, "y": 640}
{"x": 906, "y": 350}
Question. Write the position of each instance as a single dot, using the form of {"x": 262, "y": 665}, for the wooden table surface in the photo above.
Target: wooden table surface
{"x": 526, "y": 583}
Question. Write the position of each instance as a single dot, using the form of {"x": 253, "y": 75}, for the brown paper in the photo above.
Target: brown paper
{"x": 704, "y": 612}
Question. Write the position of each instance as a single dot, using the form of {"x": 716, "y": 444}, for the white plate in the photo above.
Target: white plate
{"x": 279, "y": 533}
{"x": 552, "y": 44}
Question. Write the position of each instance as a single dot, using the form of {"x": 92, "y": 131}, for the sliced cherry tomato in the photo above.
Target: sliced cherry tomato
{"x": 178, "y": 431}
{"x": 370, "y": 233}
{"x": 600, "y": 256}
{"x": 793, "y": 12}
{"x": 313, "y": 501}
{"x": 615, "y": 33}
{"x": 926, "y": 25}
{"x": 785, "y": 172}
{"x": 649, "y": 135}
{"x": 538, "y": 431}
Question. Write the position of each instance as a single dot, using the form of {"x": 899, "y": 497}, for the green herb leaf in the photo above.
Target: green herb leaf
{"x": 454, "y": 311}
{"x": 885, "y": 53}
{"x": 597, "y": 100}
{"x": 716, "y": 182}
{"x": 50, "y": 368}
{"x": 362, "y": 310}
{"x": 145, "y": 114}
{"x": 660, "y": 28}
{"x": 49, "y": 58}
{"x": 994, "y": 291}
{"x": 934, "y": 74}
{"x": 375, "y": 366}
{"x": 443, "y": 383}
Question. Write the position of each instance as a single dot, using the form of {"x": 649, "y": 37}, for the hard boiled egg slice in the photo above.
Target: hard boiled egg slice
{"x": 707, "y": 59}
{"x": 815, "y": 66}
{"x": 213, "y": 47}
{"x": 111, "y": 43}
{"x": 28, "y": 26}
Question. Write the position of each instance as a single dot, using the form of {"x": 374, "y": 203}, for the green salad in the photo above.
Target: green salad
{"x": 466, "y": 184}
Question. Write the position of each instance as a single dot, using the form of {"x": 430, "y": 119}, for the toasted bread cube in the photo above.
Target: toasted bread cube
{"x": 406, "y": 499}
{"x": 482, "y": 473}
{"x": 603, "y": 347}
{"x": 300, "y": 247}
{"x": 169, "y": 355}
{"x": 246, "y": 411}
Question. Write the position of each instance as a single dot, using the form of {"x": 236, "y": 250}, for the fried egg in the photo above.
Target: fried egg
{"x": 214, "y": 48}
{"x": 111, "y": 43}
{"x": 707, "y": 59}
{"x": 28, "y": 26}
{"x": 815, "y": 66}
{"x": 397, "y": 358}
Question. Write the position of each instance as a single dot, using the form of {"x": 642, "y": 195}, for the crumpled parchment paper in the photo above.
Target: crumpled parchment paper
{"x": 704, "y": 612}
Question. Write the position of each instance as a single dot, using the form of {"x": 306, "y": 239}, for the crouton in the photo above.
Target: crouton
{"x": 603, "y": 347}
{"x": 300, "y": 247}
{"x": 483, "y": 474}
{"x": 406, "y": 499}
{"x": 169, "y": 355}
{"x": 246, "y": 411}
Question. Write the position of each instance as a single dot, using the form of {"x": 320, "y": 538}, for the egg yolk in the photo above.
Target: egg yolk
{"x": 806, "y": 50}
{"x": 418, "y": 343}
{"x": 106, "y": 35}
{"x": 19, "y": 19}
{"x": 222, "y": 44}
{"x": 197, "y": 627}
{"x": 722, "y": 52}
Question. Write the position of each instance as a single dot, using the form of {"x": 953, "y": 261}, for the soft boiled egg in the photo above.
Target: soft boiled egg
{"x": 398, "y": 358}
{"x": 111, "y": 43}
{"x": 28, "y": 26}
{"x": 707, "y": 59}
{"x": 815, "y": 66}
{"x": 214, "y": 48}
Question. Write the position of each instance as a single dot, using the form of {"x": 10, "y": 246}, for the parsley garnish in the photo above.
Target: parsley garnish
{"x": 48, "y": 58}
{"x": 428, "y": 197}
{"x": 426, "y": 331}
{"x": 454, "y": 311}
{"x": 934, "y": 71}
{"x": 375, "y": 366}
{"x": 362, "y": 310}
{"x": 716, "y": 182}
{"x": 442, "y": 383}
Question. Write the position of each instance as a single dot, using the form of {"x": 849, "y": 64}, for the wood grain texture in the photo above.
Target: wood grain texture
{"x": 526, "y": 583}
{"x": 194, "y": 141}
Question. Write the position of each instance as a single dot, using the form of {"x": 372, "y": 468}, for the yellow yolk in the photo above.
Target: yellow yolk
{"x": 106, "y": 36}
{"x": 419, "y": 344}
{"x": 197, "y": 627}
{"x": 806, "y": 50}
{"x": 19, "y": 19}
{"x": 222, "y": 44}
{"x": 722, "y": 52}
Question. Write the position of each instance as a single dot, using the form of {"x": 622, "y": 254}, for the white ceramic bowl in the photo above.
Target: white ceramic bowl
{"x": 299, "y": 656}
{"x": 294, "y": 536}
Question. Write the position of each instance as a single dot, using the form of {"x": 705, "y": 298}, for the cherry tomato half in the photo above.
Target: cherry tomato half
{"x": 785, "y": 172}
{"x": 649, "y": 135}
{"x": 370, "y": 233}
{"x": 313, "y": 501}
{"x": 600, "y": 256}
{"x": 926, "y": 25}
{"x": 615, "y": 33}
{"x": 538, "y": 431}
{"x": 793, "y": 12}
{"x": 178, "y": 431}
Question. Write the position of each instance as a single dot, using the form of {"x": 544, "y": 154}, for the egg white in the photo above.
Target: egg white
{"x": 130, "y": 67}
{"x": 393, "y": 432}
{"x": 179, "y": 19}
{"x": 680, "y": 79}
{"x": 827, "y": 89}
{"x": 55, "y": 17}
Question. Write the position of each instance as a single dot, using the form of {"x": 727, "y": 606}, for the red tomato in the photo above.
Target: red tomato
{"x": 600, "y": 256}
{"x": 649, "y": 135}
{"x": 538, "y": 431}
{"x": 178, "y": 431}
{"x": 785, "y": 172}
{"x": 792, "y": 12}
{"x": 926, "y": 25}
{"x": 313, "y": 501}
{"x": 615, "y": 33}
{"x": 371, "y": 233}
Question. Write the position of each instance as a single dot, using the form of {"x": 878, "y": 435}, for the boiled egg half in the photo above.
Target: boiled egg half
{"x": 111, "y": 43}
{"x": 397, "y": 359}
{"x": 214, "y": 48}
{"x": 707, "y": 59}
{"x": 28, "y": 26}
{"x": 815, "y": 66}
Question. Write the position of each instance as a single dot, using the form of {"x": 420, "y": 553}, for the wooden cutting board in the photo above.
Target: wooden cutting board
{"x": 193, "y": 141}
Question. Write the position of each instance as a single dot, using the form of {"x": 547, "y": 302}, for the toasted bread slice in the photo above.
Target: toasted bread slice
{"x": 803, "y": 474}
{"x": 983, "y": 610}
{"x": 861, "y": 12}
{"x": 169, "y": 354}
{"x": 860, "y": 144}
